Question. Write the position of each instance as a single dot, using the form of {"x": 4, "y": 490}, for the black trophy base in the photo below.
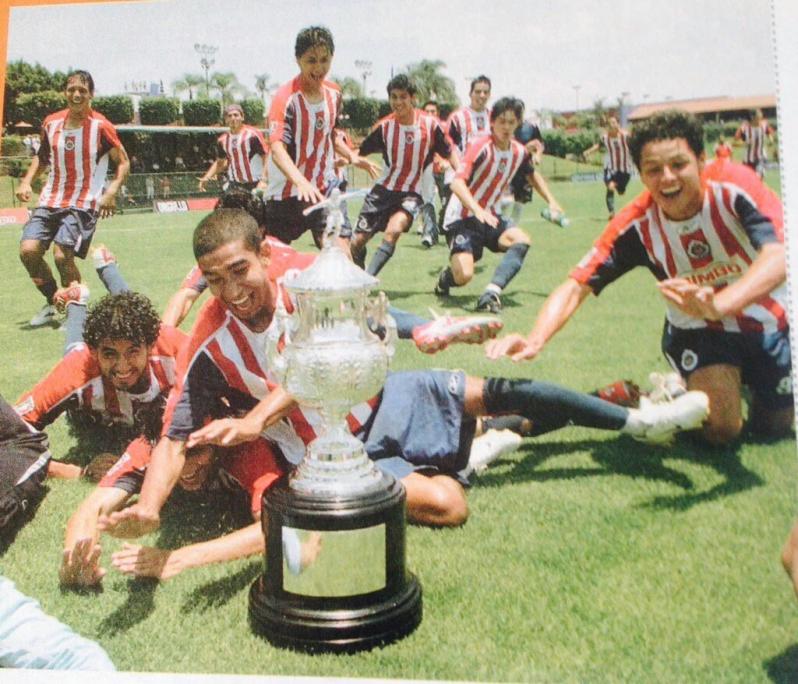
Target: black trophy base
{"x": 362, "y": 542}
{"x": 335, "y": 631}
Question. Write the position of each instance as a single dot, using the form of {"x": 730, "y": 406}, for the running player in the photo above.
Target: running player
{"x": 472, "y": 222}
{"x": 77, "y": 143}
{"x": 618, "y": 162}
{"x": 241, "y": 153}
{"x": 432, "y": 182}
{"x": 302, "y": 122}
{"x": 754, "y": 133}
{"x": 714, "y": 239}
{"x": 407, "y": 139}
{"x": 419, "y": 429}
{"x": 529, "y": 135}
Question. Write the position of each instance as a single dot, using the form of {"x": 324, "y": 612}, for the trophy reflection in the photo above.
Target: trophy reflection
{"x": 335, "y": 577}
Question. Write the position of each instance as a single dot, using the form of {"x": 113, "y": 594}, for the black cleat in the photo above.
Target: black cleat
{"x": 490, "y": 302}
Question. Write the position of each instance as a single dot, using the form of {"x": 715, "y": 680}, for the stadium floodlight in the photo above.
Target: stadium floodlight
{"x": 364, "y": 66}
{"x": 206, "y": 53}
{"x": 576, "y": 90}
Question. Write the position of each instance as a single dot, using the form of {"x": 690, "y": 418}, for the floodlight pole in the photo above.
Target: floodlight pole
{"x": 364, "y": 66}
{"x": 576, "y": 90}
{"x": 206, "y": 53}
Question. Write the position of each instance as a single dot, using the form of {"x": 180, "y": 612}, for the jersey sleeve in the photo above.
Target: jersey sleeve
{"x": 441, "y": 144}
{"x": 616, "y": 251}
{"x": 259, "y": 145}
{"x": 44, "y": 148}
{"x": 109, "y": 138}
{"x": 760, "y": 228}
{"x": 57, "y": 391}
{"x": 455, "y": 134}
{"x": 373, "y": 142}
{"x": 467, "y": 163}
{"x": 220, "y": 151}
{"x": 281, "y": 116}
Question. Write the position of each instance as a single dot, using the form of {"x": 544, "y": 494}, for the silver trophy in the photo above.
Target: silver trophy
{"x": 337, "y": 508}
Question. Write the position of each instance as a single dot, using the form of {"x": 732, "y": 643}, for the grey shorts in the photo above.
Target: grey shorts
{"x": 70, "y": 227}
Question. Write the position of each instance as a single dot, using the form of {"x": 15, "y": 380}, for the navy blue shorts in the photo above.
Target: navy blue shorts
{"x": 764, "y": 360}
{"x": 420, "y": 424}
{"x": 380, "y": 204}
{"x": 285, "y": 221}
{"x": 620, "y": 179}
{"x": 70, "y": 227}
{"x": 472, "y": 236}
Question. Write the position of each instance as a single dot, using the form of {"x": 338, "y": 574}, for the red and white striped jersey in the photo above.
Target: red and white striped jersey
{"x": 245, "y": 153}
{"x": 714, "y": 248}
{"x": 225, "y": 367}
{"x": 306, "y": 130}
{"x": 77, "y": 160}
{"x": 487, "y": 172}
{"x": 754, "y": 138}
{"x": 465, "y": 125}
{"x": 406, "y": 149}
{"x": 619, "y": 159}
{"x": 76, "y": 383}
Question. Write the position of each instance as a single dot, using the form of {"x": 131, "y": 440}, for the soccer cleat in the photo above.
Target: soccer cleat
{"x": 488, "y": 447}
{"x": 621, "y": 392}
{"x": 658, "y": 423}
{"x": 427, "y": 241}
{"x": 489, "y": 301}
{"x": 102, "y": 256}
{"x": 442, "y": 331}
{"x": 441, "y": 287}
{"x": 76, "y": 293}
{"x": 46, "y": 315}
{"x": 665, "y": 387}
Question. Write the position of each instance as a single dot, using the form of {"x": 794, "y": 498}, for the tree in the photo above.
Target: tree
{"x": 431, "y": 83}
{"x": 350, "y": 87}
{"x": 189, "y": 83}
{"x": 23, "y": 78}
{"x": 263, "y": 84}
{"x": 227, "y": 86}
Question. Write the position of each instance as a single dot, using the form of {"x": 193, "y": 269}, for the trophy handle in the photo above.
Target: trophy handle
{"x": 377, "y": 310}
{"x": 279, "y": 331}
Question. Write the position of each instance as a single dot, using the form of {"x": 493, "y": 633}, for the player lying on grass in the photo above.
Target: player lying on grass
{"x": 116, "y": 384}
{"x": 714, "y": 239}
{"x": 407, "y": 139}
{"x": 472, "y": 223}
{"x": 419, "y": 428}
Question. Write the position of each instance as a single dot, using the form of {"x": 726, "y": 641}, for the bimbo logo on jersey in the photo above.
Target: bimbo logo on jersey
{"x": 718, "y": 274}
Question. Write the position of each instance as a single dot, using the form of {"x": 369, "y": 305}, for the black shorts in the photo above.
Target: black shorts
{"x": 285, "y": 220}
{"x": 472, "y": 236}
{"x": 764, "y": 359}
{"x": 521, "y": 188}
{"x": 620, "y": 179}
{"x": 380, "y": 204}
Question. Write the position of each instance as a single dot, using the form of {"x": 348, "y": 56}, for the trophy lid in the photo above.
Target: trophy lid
{"x": 332, "y": 272}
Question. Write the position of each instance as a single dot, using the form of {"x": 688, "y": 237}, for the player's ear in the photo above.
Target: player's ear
{"x": 265, "y": 251}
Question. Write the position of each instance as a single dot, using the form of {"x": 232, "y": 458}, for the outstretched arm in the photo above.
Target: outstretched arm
{"x": 218, "y": 166}
{"x": 148, "y": 561}
{"x": 538, "y": 182}
{"x": 179, "y": 305}
{"x": 80, "y": 561}
{"x": 163, "y": 472}
{"x": 557, "y": 310}
{"x": 228, "y": 432}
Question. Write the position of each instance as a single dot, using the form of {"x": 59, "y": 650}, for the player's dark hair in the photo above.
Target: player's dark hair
{"x": 431, "y": 102}
{"x": 241, "y": 198}
{"x": 505, "y": 104}
{"x": 311, "y": 37}
{"x": 480, "y": 79}
{"x": 401, "y": 82}
{"x": 84, "y": 76}
{"x": 128, "y": 316}
{"x": 667, "y": 125}
{"x": 224, "y": 226}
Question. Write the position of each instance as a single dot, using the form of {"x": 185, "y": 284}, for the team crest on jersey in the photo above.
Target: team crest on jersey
{"x": 69, "y": 143}
{"x": 319, "y": 121}
{"x": 698, "y": 249}
{"x": 362, "y": 223}
{"x": 409, "y": 138}
{"x": 234, "y": 144}
{"x": 689, "y": 359}
{"x": 502, "y": 165}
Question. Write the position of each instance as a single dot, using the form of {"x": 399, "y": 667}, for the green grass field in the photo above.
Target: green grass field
{"x": 587, "y": 557}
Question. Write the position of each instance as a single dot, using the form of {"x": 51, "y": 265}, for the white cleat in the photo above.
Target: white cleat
{"x": 76, "y": 293}
{"x": 665, "y": 387}
{"x": 488, "y": 447}
{"x": 658, "y": 423}
{"x": 46, "y": 315}
{"x": 102, "y": 257}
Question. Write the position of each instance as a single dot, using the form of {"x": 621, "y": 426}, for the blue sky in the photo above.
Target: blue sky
{"x": 537, "y": 51}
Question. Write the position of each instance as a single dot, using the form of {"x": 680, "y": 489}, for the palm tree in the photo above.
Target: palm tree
{"x": 263, "y": 84}
{"x": 188, "y": 83}
{"x": 431, "y": 83}
{"x": 227, "y": 86}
